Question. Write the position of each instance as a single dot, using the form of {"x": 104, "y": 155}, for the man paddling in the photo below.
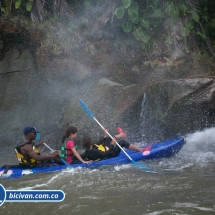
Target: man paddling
{"x": 27, "y": 154}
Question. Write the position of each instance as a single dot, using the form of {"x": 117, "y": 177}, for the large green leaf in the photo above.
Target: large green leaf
{"x": 145, "y": 38}
{"x": 185, "y": 30}
{"x": 126, "y": 3}
{"x": 140, "y": 35}
{"x": 3, "y": 9}
{"x": 190, "y": 24}
{"x": 119, "y": 12}
{"x": 169, "y": 40}
{"x": 17, "y": 4}
{"x": 156, "y": 13}
{"x": 137, "y": 33}
{"x": 175, "y": 14}
{"x": 195, "y": 16}
{"x": 134, "y": 5}
{"x": 184, "y": 8}
{"x": 145, "y": 23}
{"x": 133, "y": 14}
{"x": 201, "y": 34}
{"x": 169, "y": 7}
{"x": 127, "y": 26}
{"x": 29, "y": 6}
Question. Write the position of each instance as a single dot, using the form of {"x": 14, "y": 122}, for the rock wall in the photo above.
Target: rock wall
{"x": 150, "y": 102}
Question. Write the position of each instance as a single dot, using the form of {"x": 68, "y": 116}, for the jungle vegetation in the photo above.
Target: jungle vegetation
{"x": 166, "y": 27}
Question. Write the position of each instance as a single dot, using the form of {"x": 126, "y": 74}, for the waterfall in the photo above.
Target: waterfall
{"x": 142, "y": 115}
{"x": 143, "y": 105}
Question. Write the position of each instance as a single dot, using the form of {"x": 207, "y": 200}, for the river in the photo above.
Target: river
{"x": 183, "y": 184}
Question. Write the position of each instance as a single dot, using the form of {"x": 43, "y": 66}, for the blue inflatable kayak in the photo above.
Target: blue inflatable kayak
{"x": 158, "y": 150}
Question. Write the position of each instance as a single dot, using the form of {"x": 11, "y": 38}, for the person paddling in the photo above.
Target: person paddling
{"x": 106, "y": 147}
{"x": 27, "y": 153}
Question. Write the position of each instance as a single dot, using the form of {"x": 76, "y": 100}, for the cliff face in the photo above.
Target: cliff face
{"x": 150, "y": 100}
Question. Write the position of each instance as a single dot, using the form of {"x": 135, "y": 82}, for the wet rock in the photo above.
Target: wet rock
{"x": 150, "y": 103}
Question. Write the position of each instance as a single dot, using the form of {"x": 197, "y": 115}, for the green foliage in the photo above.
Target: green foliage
{"x": 169, "y": 7}
{"x": 127, "y": 26}
{"x": 157, "y": 13}
{"x": 139, "y": 34}
{"x": 126, "y": 3}
{"x": 172, "y": 10}
{"x": 184, "y": 8}
{"x": 61, "y": 38}
{"x": 169, "y": 40}
{"x": 135, "y": 5}
{"x": 18, "y": 3}
{"x": 200, "y": 34}
{"x": 152, "y": 24}
{"x": 29, "y": 6}
{"x": 148, "y": 20}
{"x": 133, "y": 14}
{"x": 186, "y": 29}
{"x": 175, "y": 14}
{"x": 195, "y": 16}
{"x": 41, "y": 8}
{"x": 3, "y": 10}
{"x": 119, "y": 12}
{"x": 145, "y": 23}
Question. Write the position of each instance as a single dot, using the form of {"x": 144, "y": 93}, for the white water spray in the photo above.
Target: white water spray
{"x": 202, "y": 140}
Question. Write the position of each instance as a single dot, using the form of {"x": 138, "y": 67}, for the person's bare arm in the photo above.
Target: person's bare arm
{"x": 78, "y": 156}
{"x": 30, "y": 152}
{"x": 39, "y": 143}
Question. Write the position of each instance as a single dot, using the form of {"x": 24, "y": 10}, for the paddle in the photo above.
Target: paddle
{"x": 68, "y": 165}
{"x": 143, "y": 166}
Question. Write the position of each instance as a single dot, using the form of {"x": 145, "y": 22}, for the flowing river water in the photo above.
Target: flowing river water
{"x": 183, "y": 184}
